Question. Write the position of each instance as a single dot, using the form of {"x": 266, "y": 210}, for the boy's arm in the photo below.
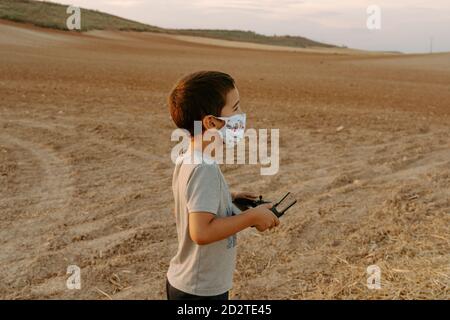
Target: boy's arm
{"x": 205, "y": 227}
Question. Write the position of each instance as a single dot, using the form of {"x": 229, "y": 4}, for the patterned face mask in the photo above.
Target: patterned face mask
{"x": 233, "y": 130}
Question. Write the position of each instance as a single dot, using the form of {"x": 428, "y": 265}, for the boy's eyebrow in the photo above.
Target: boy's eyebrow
{"x": 235, "y": 105}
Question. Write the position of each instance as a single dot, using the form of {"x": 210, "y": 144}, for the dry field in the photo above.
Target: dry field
{"x": 85, "y": 168}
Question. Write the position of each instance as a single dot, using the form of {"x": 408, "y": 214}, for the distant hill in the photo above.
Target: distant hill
{"x": 53, "y": 15}
{"x": 250, "y": 36}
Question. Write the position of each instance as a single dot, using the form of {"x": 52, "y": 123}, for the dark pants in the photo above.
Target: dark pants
{"x": 175, "y": 294}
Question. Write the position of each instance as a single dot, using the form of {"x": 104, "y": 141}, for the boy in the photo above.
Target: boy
{"x": 206, "y": 227}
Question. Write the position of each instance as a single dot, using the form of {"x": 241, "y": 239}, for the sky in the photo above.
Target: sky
{"x": 410, "y": 26}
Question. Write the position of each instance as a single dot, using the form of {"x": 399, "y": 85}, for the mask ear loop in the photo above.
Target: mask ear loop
{"x": 242, "y": 114}
{"x": 224, "y": 119}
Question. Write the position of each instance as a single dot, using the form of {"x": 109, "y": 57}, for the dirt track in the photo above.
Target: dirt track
{"x": 85, "y": 167}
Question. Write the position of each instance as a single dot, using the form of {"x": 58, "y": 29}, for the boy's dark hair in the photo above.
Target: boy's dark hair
{"x": 197, "y": 95}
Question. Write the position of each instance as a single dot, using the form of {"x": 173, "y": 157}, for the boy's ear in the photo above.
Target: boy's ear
{"x": 211, "y": 122}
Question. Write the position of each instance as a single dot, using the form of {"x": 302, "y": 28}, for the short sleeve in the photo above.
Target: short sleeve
{"x": 203, "y": 189}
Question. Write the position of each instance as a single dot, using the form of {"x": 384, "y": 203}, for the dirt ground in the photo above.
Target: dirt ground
{"x": 85, "y": 170}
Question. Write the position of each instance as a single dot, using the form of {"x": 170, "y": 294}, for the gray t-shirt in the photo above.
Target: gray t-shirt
{"x": 202, "y": 270}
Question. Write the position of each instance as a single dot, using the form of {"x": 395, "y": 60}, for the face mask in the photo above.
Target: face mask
{"x": 233, "y": 130}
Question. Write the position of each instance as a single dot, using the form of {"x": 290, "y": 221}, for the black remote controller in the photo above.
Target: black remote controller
{"x": 244, "y": 204}
{"x": 278, "y": 209}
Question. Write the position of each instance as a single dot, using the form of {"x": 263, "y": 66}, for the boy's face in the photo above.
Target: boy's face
{"x": 232, "y": 107}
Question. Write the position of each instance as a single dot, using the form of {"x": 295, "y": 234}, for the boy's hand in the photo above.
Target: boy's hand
{"x": 243, "y": 195}
{"x": 264, "y": 217}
